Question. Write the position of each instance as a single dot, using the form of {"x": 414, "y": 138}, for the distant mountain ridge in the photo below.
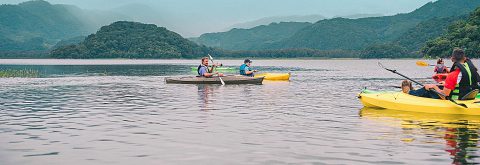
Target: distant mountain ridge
{"x": 278, "y": 19}
{"x": 251, "y": 39}
{"x": 347, "y": 34}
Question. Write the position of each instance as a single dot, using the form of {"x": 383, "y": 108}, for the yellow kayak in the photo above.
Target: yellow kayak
{"x": 405, "y": 102}
{"x": 274, "y": 76}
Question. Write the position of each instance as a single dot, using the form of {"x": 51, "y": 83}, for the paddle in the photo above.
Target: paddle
{"x": 432, "y": 90}
{"x": 423, "y": 63}
{"x": 221, "y": 80}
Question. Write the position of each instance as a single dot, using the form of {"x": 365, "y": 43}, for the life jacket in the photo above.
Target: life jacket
{"x": 440, "y": 68}
{"x": 198, "y": 69}
{"x": 242, "y": 70}
{"x": 468, "y": 82}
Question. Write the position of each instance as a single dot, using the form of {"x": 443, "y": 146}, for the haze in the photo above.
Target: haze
{"x": 192, "y": 18}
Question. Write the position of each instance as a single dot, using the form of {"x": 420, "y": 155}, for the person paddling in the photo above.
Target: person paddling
{"x": 204, "y": 71}
{"x": 462, "y": 79}
{"x": 422, "y": 92}
{"x": 246, "y": 70}
{"x": 440, "y": 68}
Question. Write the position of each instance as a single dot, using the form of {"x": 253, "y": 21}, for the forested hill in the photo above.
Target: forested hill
{"x": 37, "y": 25}
{"x": 132, "y": 40}
{"x": 252, "y": 39}
{"x": 353, "y": 34}
{"x": 356, "y": 34}
{"x": 463, "y": 34}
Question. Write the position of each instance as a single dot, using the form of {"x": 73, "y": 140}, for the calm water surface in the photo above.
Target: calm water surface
{"x": 122, "y": 112}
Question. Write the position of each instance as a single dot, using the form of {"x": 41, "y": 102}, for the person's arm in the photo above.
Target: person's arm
{"x": 250, "y": 72}
{"x": 445, "y": 91}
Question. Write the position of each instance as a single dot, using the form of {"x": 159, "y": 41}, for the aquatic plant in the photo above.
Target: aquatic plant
{"x": 18, "y": 73}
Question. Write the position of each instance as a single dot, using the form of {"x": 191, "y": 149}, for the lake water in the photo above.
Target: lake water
{"x": 121, "y": 112}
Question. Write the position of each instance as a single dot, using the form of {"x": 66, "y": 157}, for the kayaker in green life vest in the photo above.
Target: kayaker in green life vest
{"x": 246, "y": 70}
{"x": 462, "y": 79}
{"x": 205, "y": 71}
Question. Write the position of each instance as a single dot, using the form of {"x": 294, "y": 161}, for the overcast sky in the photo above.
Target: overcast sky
{"x": 194, "y": 17}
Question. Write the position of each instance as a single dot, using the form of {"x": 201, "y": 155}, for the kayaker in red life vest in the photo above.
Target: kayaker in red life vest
{"x": 462, "y": 79}
{"x": 205, "y": 71}
{"x": 440, "y": 67}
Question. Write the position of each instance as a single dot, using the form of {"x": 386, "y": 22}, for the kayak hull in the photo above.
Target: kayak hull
{"x": 214, "y": 80}
{"x": 275, "y": 76}
{"x": 405, "y": 102}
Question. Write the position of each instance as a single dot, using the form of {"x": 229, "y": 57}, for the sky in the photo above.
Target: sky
{"x": 191, "y": 18}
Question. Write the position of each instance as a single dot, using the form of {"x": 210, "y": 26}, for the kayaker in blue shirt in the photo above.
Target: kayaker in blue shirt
{"x": 204, "y": 71}
{"x": 246, "y": 70}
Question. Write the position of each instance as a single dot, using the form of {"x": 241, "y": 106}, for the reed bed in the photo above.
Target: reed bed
{"x": 5, "y": 73}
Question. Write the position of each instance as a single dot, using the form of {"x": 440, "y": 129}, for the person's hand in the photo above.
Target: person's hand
{"x": 429, "y": 86}
{"x": 216, "y": 72}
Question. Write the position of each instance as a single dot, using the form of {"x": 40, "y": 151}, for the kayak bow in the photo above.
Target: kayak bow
{"x": 274, "y": 76}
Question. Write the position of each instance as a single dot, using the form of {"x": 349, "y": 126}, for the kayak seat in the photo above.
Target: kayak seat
{"x": 470, "y": 95}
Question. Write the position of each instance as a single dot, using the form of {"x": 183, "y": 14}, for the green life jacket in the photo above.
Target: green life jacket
{"x": 468, "y": 82}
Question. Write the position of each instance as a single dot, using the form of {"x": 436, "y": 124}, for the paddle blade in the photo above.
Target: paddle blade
{"x": 422, "y": 63}
{"x": 221, "y": 80}
{"x": 211, "y": 58}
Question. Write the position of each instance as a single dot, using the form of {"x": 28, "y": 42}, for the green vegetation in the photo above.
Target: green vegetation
{"x": 382, "y": 36}
{"x": 386, "y": 51}
{"x": 251, "y": 39}
{"x": 287, "y": 53}
{"x": 132, "y": 40}
{"x": 464, "y": 34}
{"x": 36, "y": 26}
{"x": 19, "y": 73}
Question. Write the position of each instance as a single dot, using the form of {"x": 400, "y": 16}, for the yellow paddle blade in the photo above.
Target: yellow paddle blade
{"x": 422, "y": 63}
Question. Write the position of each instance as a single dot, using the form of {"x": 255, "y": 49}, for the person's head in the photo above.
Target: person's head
{"x": 458, "y": 55}
{"x": 248, "y": 62}
{"x": 440, "y": 61}
{"x": 406, "y": 86}
{"x": 205, "y": 61}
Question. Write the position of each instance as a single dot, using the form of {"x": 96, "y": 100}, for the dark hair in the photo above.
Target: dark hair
{"x": 458, "y": 54}
{"x": 439, "y": 61}
{"x": 204, "y": 58}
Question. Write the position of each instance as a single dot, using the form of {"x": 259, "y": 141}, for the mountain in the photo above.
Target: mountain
{"x": 463, "y": 34}
{"x": 39, "y": 19}
{"x": 251, "y": 39}
{"x": 357, "y": 16}
{"x": 269, "y": 20}
{"x": 350, "y": 34}
{"x": 409, "y": 43}
{"x": 132, "y": 40}
{"x": 339, "y": 33}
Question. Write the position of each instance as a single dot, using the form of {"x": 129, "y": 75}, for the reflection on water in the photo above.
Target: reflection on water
{"x": 459, "y": 132}
{"x": 122, "y": 112}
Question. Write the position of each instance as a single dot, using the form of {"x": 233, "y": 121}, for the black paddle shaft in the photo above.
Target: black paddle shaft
{"x": 416, "y": 82}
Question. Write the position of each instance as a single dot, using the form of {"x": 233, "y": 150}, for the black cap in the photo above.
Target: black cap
{"x": 247, "y": 61}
